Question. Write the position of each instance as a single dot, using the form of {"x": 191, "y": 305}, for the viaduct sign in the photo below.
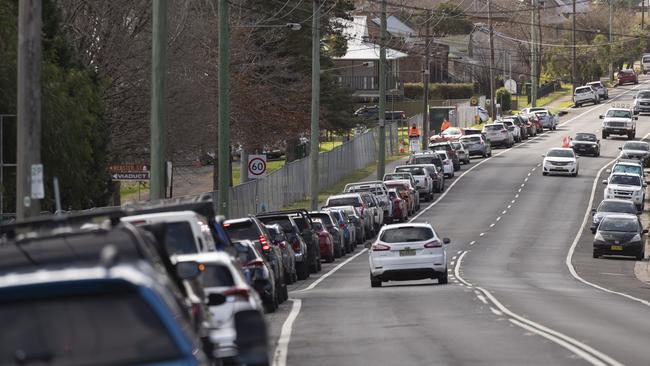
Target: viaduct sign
{"x": 129, "y": 172}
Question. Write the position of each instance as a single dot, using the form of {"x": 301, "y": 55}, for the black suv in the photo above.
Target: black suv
{"x": 449, "y": 148}
{"x": 302, "y": 227}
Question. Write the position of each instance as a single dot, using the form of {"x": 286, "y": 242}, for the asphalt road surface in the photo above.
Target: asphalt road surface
{"x": 523, "y": 290}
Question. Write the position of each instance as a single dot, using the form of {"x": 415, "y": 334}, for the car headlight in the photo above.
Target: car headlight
{"x": 609, "y": 190}
{"x": 637, "y": 193}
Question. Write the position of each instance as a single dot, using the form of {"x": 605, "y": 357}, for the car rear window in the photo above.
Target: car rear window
{"x": 245, "y": 230}
{"x": 583, "y": 90}
{"x": 472, "y": 139}
{"x": 494, "y": 127}
{"x": 344, "y": 201}
{"x": 413, "y": 171}
{"x": 619, "y": 224}
{"x": 424, "y": 160}
{"x": 116, "y": 328}
{"x": 406, "y": 234}
{"x": 284, "y": 222}
{"x": 216, "y": 275}
{"x": 323, "y": 217}
{"x": 612, "y": 206}
{"x": 245, "y": 253}
{"x": 179, "y": 238}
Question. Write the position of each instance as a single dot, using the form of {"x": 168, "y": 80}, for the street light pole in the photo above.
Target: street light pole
{"x": 381, "y": 161}
{"x": 491, "y": 73}
{"x": 158, "y": 130}
{"x": 315, "y": 107}
{"x": 224, "y": 109}
{"x": 611, "y": 66}
{"x": 28, "y": 147}
{"x": 573, "y": 42}
{"x": 426, "y": 72}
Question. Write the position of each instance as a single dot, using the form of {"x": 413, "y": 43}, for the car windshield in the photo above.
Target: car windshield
{"x": 624, "y": 168}
{"x": 494, "y": 127}
{"x": 586, "y": 137}
{"x": 630, "y": 180}
{"x": 414, "y": 171}
{"x": 245, "y": 253}
{"x": 635, "y": 146}
{"x": 472, "y": 132}
{"x": 113, "y": 327}
{"x": 398, "y": 186}
{"x": 179, "y": 238}
{"x": 406, "y": 234}
{"x": 396, "y": 176}
{"x": 619, "y": 224}
{"x": 375, "y": 190}
{"x": 216, "y": 275}
{"x": 451, "y": 131}
{"x": 614, "y": 206}
{"x": 596, "y": 84}
{"x": 616, "y": 113}
{"x": 644, "y": 94}
{"x": 344, "y": 201}
{"x": 560, "y": 153}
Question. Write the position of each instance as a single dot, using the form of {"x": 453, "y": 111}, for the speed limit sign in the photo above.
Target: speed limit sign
{"x": 256, "y": 166}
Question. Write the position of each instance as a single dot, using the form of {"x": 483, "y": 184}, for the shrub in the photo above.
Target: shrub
{"x": 504, "y": 97}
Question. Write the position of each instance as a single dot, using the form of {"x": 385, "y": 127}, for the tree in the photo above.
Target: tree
{"x": 74, "y": 135}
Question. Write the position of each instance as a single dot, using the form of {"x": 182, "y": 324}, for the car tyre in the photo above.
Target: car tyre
{"x": 595, "y": 254}
{"x": 443, "y": 278}
{"x": 641, "y": 255}
{"x": 604, "y": 136}
{"x": 285, "y": 293}
{"x": 302, "y": 270}
{"x": 544, "y": 173}
{"x": 374, "y": 281}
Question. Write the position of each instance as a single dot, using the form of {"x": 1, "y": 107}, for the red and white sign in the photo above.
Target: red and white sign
{"x": 256, "y": 166}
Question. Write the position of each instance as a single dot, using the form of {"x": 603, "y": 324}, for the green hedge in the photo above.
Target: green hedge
{"x": 439, "y": 91}
{"x": 504, "y": 97}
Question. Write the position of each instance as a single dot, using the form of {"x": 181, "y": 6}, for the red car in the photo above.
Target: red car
{"x": 627, "y": 76}
{"x": 533, "y": 118}
{"x": 450, "y": 134}
{"x": 325, "y": 240}
{"x": 400, "y": 210}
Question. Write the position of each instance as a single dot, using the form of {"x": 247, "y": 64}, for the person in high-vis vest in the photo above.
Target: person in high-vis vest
{"x": 445, "y": 125}
{"x": 414, "y": 132}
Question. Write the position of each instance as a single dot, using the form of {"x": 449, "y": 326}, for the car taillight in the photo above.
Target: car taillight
{"x": 296, "y": 246}
{"x": 433, "y": 244}
{"x": 255, "y": 263}
{"x": 283, "y": 244}
{"x": 379, "y": 247}
{"x": 343, "y": 225}
{"x": 238, "y": 293}
{"x": 265, "y": 243}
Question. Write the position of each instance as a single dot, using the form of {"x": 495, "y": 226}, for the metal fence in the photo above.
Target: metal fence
{"x": 290, "y": 184}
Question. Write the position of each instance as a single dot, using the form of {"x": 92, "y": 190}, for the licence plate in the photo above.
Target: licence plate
{"x": 616, "y": 247}
{"x": 406, "y": 252}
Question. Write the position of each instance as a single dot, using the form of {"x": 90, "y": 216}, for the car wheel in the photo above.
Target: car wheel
{"x": 640, "y": 256}
{"x": 630, "y": 136}
{"x": 302, "y": 271}
{"x": 285, "y": 293}
{"x": 485, "y": 155}
{"x": 575, "y": 174}
{"x": 598, "y": 153}
{"x": 595, "y": 254}
{"x": 544, "y": 173}
{"x": 443, "y": 278}
{"x": 604, "y": 136}
{"x": 374, "y": 281}
{"x": 319, "y": 265}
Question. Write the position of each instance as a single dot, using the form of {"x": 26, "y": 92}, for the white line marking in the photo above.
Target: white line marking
{"x": 569, "y": 256}
{"x": 481, "y": 297}
{"x": 513, "y": 201}
{"x": 472, "y": 242}
{"x": 457, "y": 270}
{"x": 481, "y": 234}
{"x": 530, "y": 173}
{"x": 495, "y": 311}
{"x": 509, "y": 206}
{"x": 282, "y": 349}
{"x": 492, "y": 225}
{"x": 331, "y": 271}
{"x": 460, "y": 251}
{"x": 499, "y": 218}
{"x": 517, "y": 195}
{"x": 526, "y": 179}
{"x": 523, "y": 185}
{"x": 504, "y": 212}
{"x": 453, "y": 258}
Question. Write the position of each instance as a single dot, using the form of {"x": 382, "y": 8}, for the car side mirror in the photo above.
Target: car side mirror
{"x": 593, "y": 211}
{"x": 188, "y": 270}
{"x": 645, "y": 231}
{"x": 620, "y": 148}
{"x": 446, "y": 240}
{"x": 601, "y": 117}
{"x": 645, "y": 184}
{"x": 636, "y": 117}
{"x": 543, "y": 155}
{"x": 604, "y": 181}
{"x": 216, "y": 299}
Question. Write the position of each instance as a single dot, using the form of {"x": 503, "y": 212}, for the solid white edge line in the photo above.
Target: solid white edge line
{"x": 569, "y": 256}
{"x": 563, "y": 339}
{"x": 282, "y": 349}
{"x": 331, "y": 271}
{"x": 457, "y": 270}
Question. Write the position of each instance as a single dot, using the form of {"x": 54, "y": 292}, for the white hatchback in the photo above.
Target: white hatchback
{"x": 406, "y": 252}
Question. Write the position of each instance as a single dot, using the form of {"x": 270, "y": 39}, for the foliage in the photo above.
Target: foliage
{"x": 74, "y": 135}
{"x": 439, "y": 91}
{"x": 451, "y": 19}
{"x": 504, "y": 98}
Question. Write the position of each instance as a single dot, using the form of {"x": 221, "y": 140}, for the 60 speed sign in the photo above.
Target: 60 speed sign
{"x": 256, "y": 166}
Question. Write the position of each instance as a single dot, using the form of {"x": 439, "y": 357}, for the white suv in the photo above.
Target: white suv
{"x": 585, "y": 94}
{"x": 379, "y": 189}
{"x": 603, "y": 93}
{"x": 626, "y": 186}
{"x": 619, "y": 121}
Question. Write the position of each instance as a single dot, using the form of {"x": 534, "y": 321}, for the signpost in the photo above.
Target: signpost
{"x": 129, "y": 172}
{"x": 256, "y": 166}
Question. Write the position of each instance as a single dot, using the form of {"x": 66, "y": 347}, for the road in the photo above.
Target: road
{"x": 524, "y": 289}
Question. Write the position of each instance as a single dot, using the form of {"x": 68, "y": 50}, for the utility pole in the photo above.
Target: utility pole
{"x": 381, "y": 162}
{"x": 533, "y": 58}
{"x": 224, "y": 108}
{"x": 493, "y": 108}
{"x": 29, "y": 107}
{"x": 426, "y": 72}
{"x": 315, "y": 106}
{"x": 611, "y": 67}
{"x": 158, "y": 125}
{"x": 573, "y": 42}
{"x": 642, "y": 14}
